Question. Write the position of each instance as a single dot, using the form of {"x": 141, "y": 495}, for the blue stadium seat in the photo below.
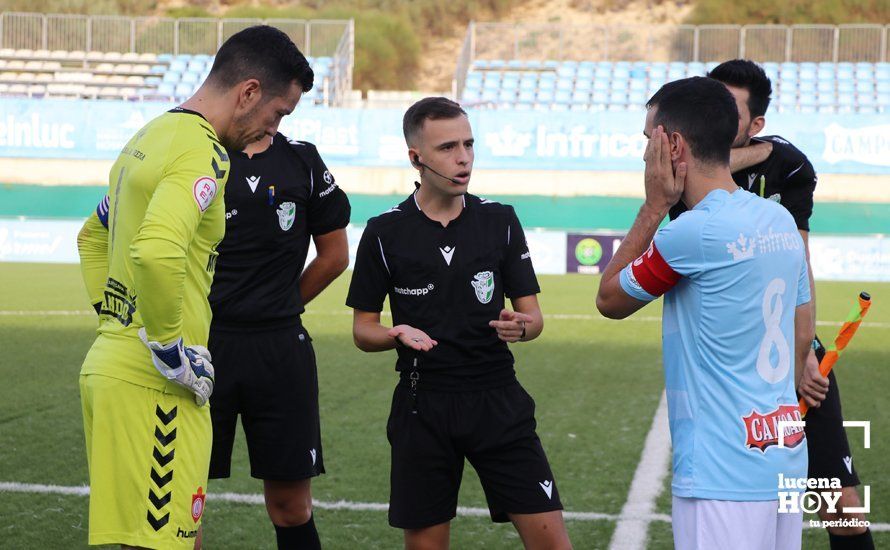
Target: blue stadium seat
{"x": 166, "y": 88}
{"x": 204, "y": 58}
{"x": 619, "y": 84}
{"x": 622, "y": 65}
{"x": 846, "y": 85}
{"x": 659, "y": 71}
{"x": 826, "y": 73}
{"x": 826, "y": 109}
{"x": 510, "y": 84}
{"x": 164, "y": 58}
{"x": 867, "y": 110}
{"x": 497, "y": 64}
{"x": 618, "y": 98}
{"x": 825, "y": 86}
{"x": 171, "y": 77}
{"x": 584, "y": 73}
{"x": 865, "y": 86}
{"x": 864, "y": 73}
{"x": 675, "y": 73}
{"x": 828, "y": 98}
{"x": 471, "y": 95}
{"x": 491, "y": 84}
{"x": 563, "y": 97}
{"x": 807, "y": 88}
{"x": 190, "y": 77}
{"x": 787, "y": 99}
{"x": 558, "y": 107}
{"x": 534, "y": 65}
{"x": 545, "y": 96}
{"x": 602, "y": 72}
{"x": 566, "y": 72}
{"x": 480, "y": 64}
{"x": 489, "y": 95}
{"x": 546, "y": 84}
{"x": 183, "y": 90}
{"x": 528, "y": 83}
{"x": 807, "y": 74}
{"x": 638, "y": 73}
{"x": 507, "y": 95}
{"x": 551, "y": 64}
{"x": 637, "y": 85}
{"x": 883, "y": 99}
{"x": 883, "y": 87}
{"x": 153, "y": 80}
{"x": 637, "y": 98}
{"x": 516, "y": 64}
{"x": 196, "y": 65}
{"x": 547, "y": 77}
{"x": 620, "y": 72}
{"x": 579, "y": 107}
{"x": 178, "y": 65}
{"x": 601, "y": 84}
{"x": 158, "y": 69}
{"x": 565, "y": 84}
{"x": 527, "y": 96}
{"x": 599, "y": 97}
{"x": 579, "y": 96}
{"x": 866, "y": 99}
{"x": 846, "y": 99}
{"x": 806, "y": 109}
{"x": 695, "y": 68}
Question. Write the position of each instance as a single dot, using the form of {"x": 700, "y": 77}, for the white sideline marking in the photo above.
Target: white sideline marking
{"x": 648, "y": 481}
{"x": 557, "y": 316}
{"x": 83, "y": 491}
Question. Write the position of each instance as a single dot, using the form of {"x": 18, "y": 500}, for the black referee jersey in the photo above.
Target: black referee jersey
{"x": 448, "y": 282}
{"x": 275, "y": 201}
{"x": 786, "y": 176}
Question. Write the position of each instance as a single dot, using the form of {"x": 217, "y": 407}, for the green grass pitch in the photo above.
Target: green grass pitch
{"x": 596, "y": 383}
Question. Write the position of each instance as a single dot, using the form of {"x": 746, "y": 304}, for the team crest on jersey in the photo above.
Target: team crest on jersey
{"x": 483, "y": 284}
{"x": 204, "y": 190}
{"x": 198, "y": 504}
{"x": 286, "y": 213}
{"x": 762, "y": 430}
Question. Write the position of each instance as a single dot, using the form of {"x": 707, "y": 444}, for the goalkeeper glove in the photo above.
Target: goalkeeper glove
{"x": 187, "y": 366}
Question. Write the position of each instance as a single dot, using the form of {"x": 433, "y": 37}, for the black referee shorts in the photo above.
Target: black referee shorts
{"x": 494, "y": 429}
{"x": 270, "y": 379}
{"x": 827, "y": 445}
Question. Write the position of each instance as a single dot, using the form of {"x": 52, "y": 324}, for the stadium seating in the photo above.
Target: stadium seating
{"x": 116, "y": 75}
{"x": 624, "y": 85}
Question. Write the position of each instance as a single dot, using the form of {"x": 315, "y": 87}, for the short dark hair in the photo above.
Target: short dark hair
{"x": 264, "y": 53}
{"x": 744, "y": 73}
{"x": 428, "y": 108}
{"x": 701, "y": 110}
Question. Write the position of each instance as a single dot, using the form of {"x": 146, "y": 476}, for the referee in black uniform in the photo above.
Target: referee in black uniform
{"x": 776, "y": 170}
{"x": 447, "y": 259}
{"x": 279, "y": 195}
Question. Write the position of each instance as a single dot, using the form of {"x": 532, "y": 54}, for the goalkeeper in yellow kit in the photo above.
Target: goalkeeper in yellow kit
{"x": 147, "y": 257}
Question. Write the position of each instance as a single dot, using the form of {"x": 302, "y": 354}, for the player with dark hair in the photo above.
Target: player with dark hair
{"x": 280, "y": 194}
{"x": 148, "y": 255}
{"x": 773, "y": 168}
{"x": 724, "y": 400}
{"x": 447, "y": 259}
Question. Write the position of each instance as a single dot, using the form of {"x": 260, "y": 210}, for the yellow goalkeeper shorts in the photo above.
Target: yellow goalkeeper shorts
{"x": 148, "y": 453}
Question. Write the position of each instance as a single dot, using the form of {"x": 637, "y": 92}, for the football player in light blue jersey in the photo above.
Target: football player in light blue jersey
{"x": 737, "y": 325}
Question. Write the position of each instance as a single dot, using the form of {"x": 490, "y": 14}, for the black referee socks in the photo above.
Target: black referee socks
{"x": 301, "y": 537}
{"x": 855, "y": 542}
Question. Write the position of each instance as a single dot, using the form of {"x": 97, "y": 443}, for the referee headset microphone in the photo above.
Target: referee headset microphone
{"x": 417, "y": 163}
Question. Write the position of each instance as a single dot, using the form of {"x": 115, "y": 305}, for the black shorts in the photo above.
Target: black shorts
{"x": 827, "y": 445}
{"x": 270, "y": 379}
{"x": 494, "y": 429}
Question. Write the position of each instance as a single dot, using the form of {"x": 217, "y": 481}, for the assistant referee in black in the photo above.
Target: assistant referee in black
{"x": 279, "y": 195}
{"x": 447, "y": 259}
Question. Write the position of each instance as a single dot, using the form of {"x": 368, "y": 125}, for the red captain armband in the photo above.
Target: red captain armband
{"x": 653, "y": 273}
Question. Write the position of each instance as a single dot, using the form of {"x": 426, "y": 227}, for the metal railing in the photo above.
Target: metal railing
{"x": 796, "y": 43}
{"x": 316, "y": 38}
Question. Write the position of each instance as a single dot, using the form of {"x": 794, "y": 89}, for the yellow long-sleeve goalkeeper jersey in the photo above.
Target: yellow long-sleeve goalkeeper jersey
{"x": 165, "y": 218}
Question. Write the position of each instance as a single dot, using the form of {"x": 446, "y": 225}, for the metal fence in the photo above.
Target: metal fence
{"x": 37, "y": 31}
{"x": 316, "y": 38}
{"x": 796, "y": 43}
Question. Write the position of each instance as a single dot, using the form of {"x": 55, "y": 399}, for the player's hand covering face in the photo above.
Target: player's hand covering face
{"x": 663, "y": 187}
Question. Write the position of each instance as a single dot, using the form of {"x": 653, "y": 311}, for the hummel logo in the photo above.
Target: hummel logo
{"x": 848, "y": 462}
{"x": 547, "y": 485}
{"x": 751, "y": 178}
{"x": 447, "y": 253}
{"x": 313, "y": 453}
{"x": 253, "y": 181}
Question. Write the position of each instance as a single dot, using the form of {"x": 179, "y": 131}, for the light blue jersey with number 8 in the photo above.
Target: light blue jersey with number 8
{"x": 733, "y": 269}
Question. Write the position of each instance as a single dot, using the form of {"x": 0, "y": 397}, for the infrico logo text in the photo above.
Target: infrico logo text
{"x": 811, "y": 494}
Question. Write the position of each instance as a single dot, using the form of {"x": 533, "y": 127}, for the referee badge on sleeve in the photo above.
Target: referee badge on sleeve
{"x": 204, "y": 190}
